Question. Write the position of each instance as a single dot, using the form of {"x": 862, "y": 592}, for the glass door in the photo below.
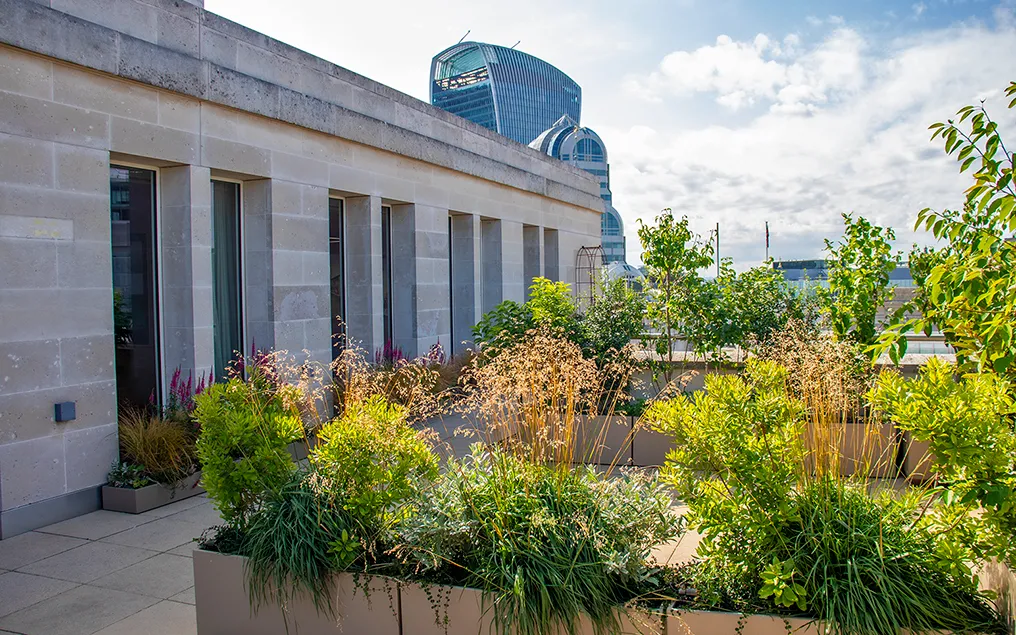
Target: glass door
{"x": 135, "y": 284}
{"x": 227, "y": 322}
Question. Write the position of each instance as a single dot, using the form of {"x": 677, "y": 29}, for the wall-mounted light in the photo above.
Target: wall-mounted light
{"x": 65, "y": 411}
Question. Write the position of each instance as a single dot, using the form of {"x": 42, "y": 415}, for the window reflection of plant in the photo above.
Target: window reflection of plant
{"x": 122, "y": 323}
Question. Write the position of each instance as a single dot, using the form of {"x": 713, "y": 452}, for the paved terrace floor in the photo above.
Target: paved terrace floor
{"x": 109, "y": 573}
{"x": 106, "y": 573}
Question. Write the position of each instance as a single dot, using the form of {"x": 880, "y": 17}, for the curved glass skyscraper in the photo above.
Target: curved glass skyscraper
{"x": 583, "y": 148}
{"x": 508, "y": 91}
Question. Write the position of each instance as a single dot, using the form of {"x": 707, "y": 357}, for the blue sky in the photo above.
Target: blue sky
{"x": 730, "y": 111}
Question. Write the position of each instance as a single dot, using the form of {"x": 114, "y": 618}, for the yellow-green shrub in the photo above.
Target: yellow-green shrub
{"x": 245, "y": 428}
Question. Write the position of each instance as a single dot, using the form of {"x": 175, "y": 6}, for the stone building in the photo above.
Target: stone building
{"x": 175, "y": 187}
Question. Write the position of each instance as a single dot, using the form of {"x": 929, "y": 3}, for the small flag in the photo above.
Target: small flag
{"x": 767, "y": 236}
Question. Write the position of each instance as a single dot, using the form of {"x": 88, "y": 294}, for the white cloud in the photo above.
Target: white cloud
{"x": 742, "y": 74}
{"x": 918, "y": 9}
{"x": 862, "y": 146}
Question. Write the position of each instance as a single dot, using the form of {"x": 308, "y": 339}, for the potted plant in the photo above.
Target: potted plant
{"x": 158, "y": 458}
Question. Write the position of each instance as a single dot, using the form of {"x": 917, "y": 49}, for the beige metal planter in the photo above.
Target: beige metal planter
{"x": 135, "y": 501}
{"x": 603, "y": 440}
{"x": 444, "y": 610}
{"x": 649, "y": 447}
{"x": 719, "y": 623}
{"x": 223, "y": 604}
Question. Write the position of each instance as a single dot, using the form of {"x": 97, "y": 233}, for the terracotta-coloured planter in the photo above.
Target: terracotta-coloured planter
{"x": 136, "y": 501}
{"x": 223, "y": 604}
{"x": 603, "y": 440}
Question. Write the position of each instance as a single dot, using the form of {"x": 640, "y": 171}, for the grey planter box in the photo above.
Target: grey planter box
{"x": 135, "y": 501}
{"x": 222, "y": 606}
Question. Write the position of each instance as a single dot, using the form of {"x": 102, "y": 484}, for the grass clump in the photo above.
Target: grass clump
{"x": 162, "y": 447}
{"x": 546, "y": 545}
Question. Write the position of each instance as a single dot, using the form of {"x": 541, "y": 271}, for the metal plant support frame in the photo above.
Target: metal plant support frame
{"x": 588, "y": 261}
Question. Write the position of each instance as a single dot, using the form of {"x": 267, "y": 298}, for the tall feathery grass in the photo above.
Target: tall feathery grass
{"x": 163, "y": 447}
{"x": 538, "y": 398}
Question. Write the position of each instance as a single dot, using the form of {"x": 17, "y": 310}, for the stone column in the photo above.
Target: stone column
{"x": 186, "y": 230}
{"x": 551, "y": 255}
{"x": 301, "y": 294}
{"x": 491, "y": 264}
{"x": 363, "y": 273}
{"x": 532, "y": 264}
{"x": 465, "y": 236}
{"x": 433, "y": 294}
{"x": 513, "y": 271}
{"x": 404, "y": 271}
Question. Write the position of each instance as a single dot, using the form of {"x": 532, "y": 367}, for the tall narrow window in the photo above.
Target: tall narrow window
{"x": 337, "y": 266}
{"x": 451, "y": 292}
{"x": 226, "y": 288}
{"x": 135, "y": 284}
{"x": 386, "y": 273}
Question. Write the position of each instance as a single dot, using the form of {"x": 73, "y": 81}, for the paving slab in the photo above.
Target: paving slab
{"x": 161, "y": 535}
{"x": 203, "y": 514}
{"x": 20, "y": 590}
{"x": 33, "y": 546}
{"x": 96, "y": 525}
{"x": 186, "y": 550}
{"x": 88, "y": 562}
{"x": 164, "y": 618}
{"x": 175, "y": 507}
{"x": 161, "y": 576}
{"x": 82, "y": 610}
{"x": 186, "y": 597}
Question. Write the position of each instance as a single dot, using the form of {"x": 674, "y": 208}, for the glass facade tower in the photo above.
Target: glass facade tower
{"x": 507, "y": 91}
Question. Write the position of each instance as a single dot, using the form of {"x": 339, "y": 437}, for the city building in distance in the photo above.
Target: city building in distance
{"x": 505, "y": 90}
{"x": 584, "y": 149}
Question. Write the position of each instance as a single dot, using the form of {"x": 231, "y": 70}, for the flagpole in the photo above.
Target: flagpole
{"x": 717, "y": 250}
{"x": 767, "y": 240}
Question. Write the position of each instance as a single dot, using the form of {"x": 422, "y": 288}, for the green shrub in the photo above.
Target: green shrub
{"x": 968, "y": 425}
{"x": 375, "y": 463}
{"x": 502, "y": 326}
{"x": 779, "y": 535}
{"x": 546, "y": 545}
{"x": 613, "y": 319}
{"x": 245, "y": 428}
{"x": 128, "y": 475}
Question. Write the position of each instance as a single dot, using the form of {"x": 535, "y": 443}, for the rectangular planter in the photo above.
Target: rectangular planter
{"x": 135, "y": 501}
{"x": 917, "y": 461}
{"x": 720, "y": 623}
{"x": 864, "y": 448}
{"x": 222, "y": 604}
{"x": 649, "y": 447}
{"x": 603, "y": 440}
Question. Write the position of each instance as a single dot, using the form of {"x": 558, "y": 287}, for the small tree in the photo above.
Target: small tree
{"x": 859, "y": 268}
{"x": 673, "y": 256}
{"x": 965, "y": 288}
{"x": 614, "y": 318}
{"x": 759, "y": 302}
